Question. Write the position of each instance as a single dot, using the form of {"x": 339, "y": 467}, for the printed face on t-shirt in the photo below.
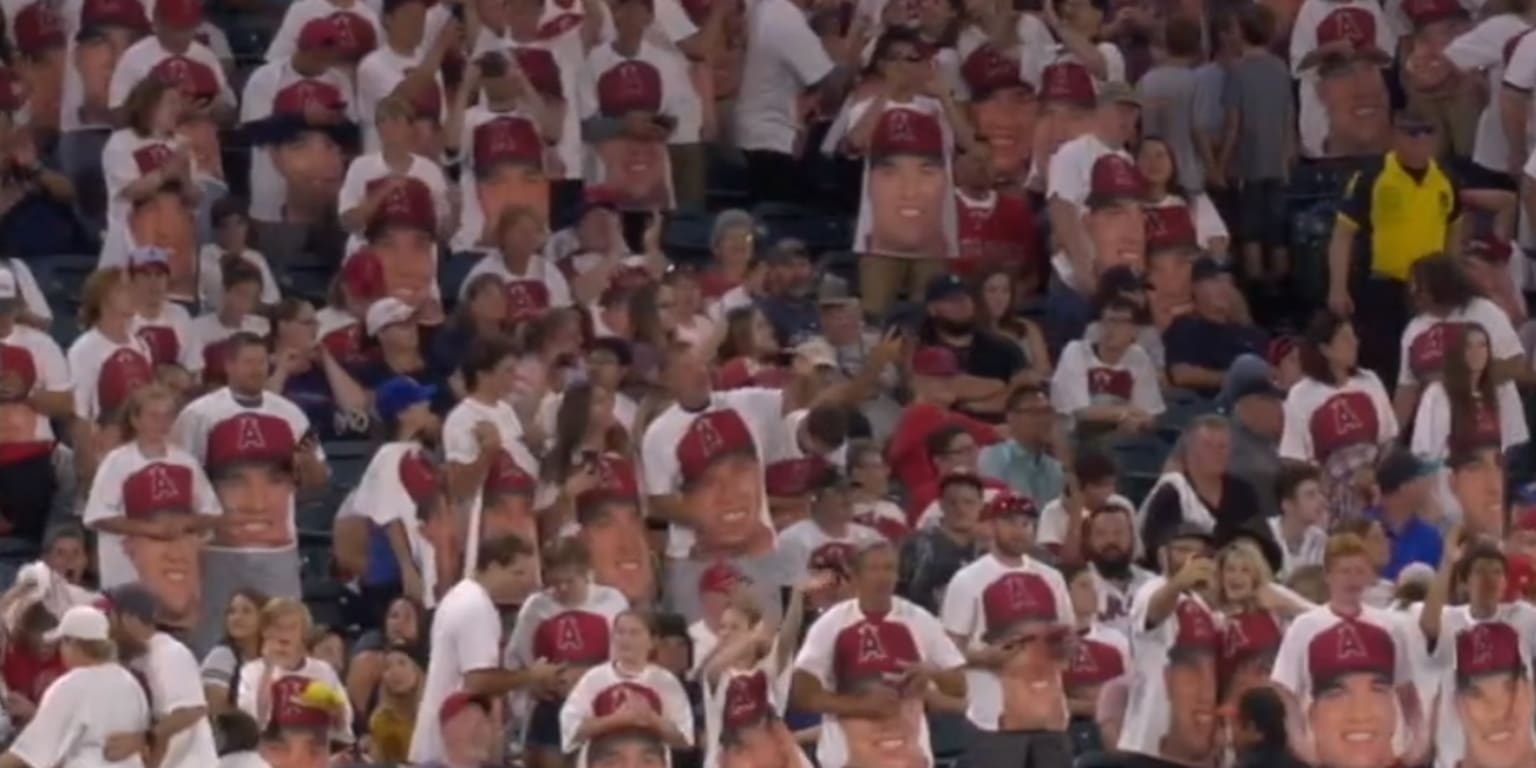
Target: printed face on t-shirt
{"x": 1353, "y": 719}
{"x": 907, "y": 196}
{"x": 258, "y": 499}
{"x": 621, "y": 556}
{"x": 1006, "y": 119}
{"x": 410, "y": 268}
{"x": 627, "y": 749}
{"x": 1031, "y": 678}
{"x": 1495, "y": 712}
{"x": 296, "y": 749}
{"x": 1118, "y": 234}
{"x": 509, "y": 513}
{"x": 724, "y": 507}
{"x": 637, "y": 169}
{"x": 1191, "y": 681}
{"x": 1356, "y": 104}
{"x": 511, "y": 185}
{"x": 767, "y": 744}
{"x": 890, "y": 741}
{"x": 313, "y": 168}
{"x": 171, "y": 569}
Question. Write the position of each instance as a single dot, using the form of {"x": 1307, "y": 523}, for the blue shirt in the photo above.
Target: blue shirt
{"x": 1417, "y": 542}
{"x": 1027, "y": 471}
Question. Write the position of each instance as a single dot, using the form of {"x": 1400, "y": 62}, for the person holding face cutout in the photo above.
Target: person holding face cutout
{"x": 634, "y": 99}
{"x": 102, "y": 32}
{"x": 37, "y": 31}
{"x": 150, "y": 186}
{"x": 1003, "y": 108}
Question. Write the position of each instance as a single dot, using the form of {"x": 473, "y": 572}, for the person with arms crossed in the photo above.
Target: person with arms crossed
{"x": 181, "y": 736}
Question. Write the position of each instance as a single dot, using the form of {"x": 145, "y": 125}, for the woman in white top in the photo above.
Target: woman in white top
{"x": 241, "y": 643}
{"x": 142, "y": 160}
{"x": 1470, "y": 406}
{"x": 1255, "y": 613}
{"x": 627, "y": 706}
{"x": 745, "y": 684}
{"x": 1163, "y": 190}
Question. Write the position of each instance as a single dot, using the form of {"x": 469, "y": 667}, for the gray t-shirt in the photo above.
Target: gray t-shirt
{"x": 1259, "y": 89}
{"x": 1167, "y": 94}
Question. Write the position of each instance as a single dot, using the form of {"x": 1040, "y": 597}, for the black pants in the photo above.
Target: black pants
{"x": 775, "y": 177}
{"x": 26, "y": 496}
{"x": 1381, "y": 314}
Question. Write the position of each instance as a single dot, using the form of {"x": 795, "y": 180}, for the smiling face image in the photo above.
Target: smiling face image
{"x": 511, "y": 185}
{"x": 907, "y": 196}
{"x": 1355, "y": 100}
{"x": 621, "y": 558}
{"x": 1496, "y": 711}
{"x": 637, "y": 170}
{"x": 1118, "y": 233}
{"x": 1352, "y": 719}
{"x": 508, "y": 513}
{"x": 170, "y": 569}
{"x": 1191, "y": 682}
{"x": 1006, "y": 119}
{"x": 766, "y": 744}
{"x": 296, "y": 748}
{"x": 891, "y": 741}
{"x": 410, "y": 266}
{"x": 1031, "y": 678}
{"x": 313, "y": 166}
{"x": 627, "y": 749}
{"x": 258, "y": 500}
{"x": 725, "y": 505}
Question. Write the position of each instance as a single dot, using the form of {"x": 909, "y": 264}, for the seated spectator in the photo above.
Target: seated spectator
{"x": 532, "y": 285}
{"x": 1024, "y": 462}
{"x": 1200, "y": 493}
{"x": 1123, "y": 282}
{"x": 308, "y": 373}
{"x": 1096, "y": 476}
{"x": 1111, "y": 386}
{"x": 789, "y": 303}
{"x": 34, "y": 305}
{"x": 996, "y": 312}
{"x": 954, "y": 451}
{"x": 149, "y": 169}
{"x": 34, "y": 388}
{"x": 106, "y": 363}
{"x": 945, "y": 547}
{"x": 1171, "y": 253}
{"x": 1251, "y": 400}
{"x": 609, "y": 314}
{"x": 1406, "y": 487}
{"x": 750, "y": 354}
{"x": 933, "y": 369}
{"x": 830, "y": 526}
{"x": 393, "y": 718}
{"x": 1379, "y": 551}
{"x": 1168, "y": 187}
{"x": 237, "y": 312}
{"x": 869, "y": 491}
{"x": 1202, "y": 344}
{"x": 163, "y": 325}
{"x": 482, "y": 312}
{"x": 285, "y": 624}
{"x": 1298, "y": 529}
{"x": 392, "y": 324}
{"x": 989, "y": 364}
{"x": 239, "y": 643}
{"x": 231, "y": 237}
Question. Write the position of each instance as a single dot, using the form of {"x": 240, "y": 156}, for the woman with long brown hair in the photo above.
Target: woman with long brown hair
{"x": 142, "y": 160}
{"x": 241, "y": 643}
{"x": 995, "y": 293}
{"x": 749, "y": 354}
{"x": 482, "y": 312}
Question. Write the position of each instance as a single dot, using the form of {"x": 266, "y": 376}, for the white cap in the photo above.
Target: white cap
{"x": 82, "y": 622}
{"x": 387, "y": 312}
{"x": 8, "y": 289}
{"x": 818, "y": 352}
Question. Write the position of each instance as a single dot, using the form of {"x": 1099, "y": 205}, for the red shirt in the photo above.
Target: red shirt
{"x": 997, "y": 231}
{"x": 29, "y": 674}
{"x": 908, "y": 452}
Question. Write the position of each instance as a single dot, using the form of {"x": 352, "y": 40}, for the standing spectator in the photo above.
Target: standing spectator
{"x": 405, "y": 66}
{"x": 174, "y": 54}
{"x": 1203, "y": 344}
{"x": 36, "y": 389}
{"x": 374, "y": 179}
{"x": 208, "y": 335}
{"x": 997, "y": 609}
{"x": 782, "y": 62}
{"x": 1422, "y": 222}
{"x": 830, "y": 526}
{"x": 1407, "y": 490}
{"x": 1159, "y": 164}
{"x": 1167, "y": 94}
{"x": 96, "y": 710}
{"x": 1258, "y": 145}
{"x": 1255, "y": 405}
{"x": 287, "y": 663}
{"x": 954, "y": 452}
{"x": 532, "y": 285}
{"x": 1469, "y": 407}
{"x": 164, "y": 325}
{"x": 1338, "y": 416}
{"x": 1256, "y": 610}
{"x": 997, "y": 295}
{"x": 995, "y": 229}
{"x": 106, "y": 363}
{"x": 466, "y": 631}
{"x": 181, "y": 731}
{"x": 1094, "y": 474}
{"x": 1076, "y": 184}
{"x": 356, "y": 22}
{"x": 869, "y": 491}
{"x": 931, "y": 556}
{"x": 627, "y": 706}
{"x": 1024, "y": 461}
{"x": 231, "y": 223}
{"x": 866, "y": 666}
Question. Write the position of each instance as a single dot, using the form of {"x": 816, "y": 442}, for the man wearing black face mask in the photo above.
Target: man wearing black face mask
{"x": 1109, "y": 544}
{"x": 990, "y": 364}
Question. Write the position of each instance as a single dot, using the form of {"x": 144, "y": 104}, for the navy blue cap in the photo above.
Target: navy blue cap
{"x": 400, "y": 393}
{"x": 945, "y": 286}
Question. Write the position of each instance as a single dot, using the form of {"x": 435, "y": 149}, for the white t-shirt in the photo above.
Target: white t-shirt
{"x": 76, "y": 715}
{"x": 106, "y": 372}
{"x": 472, "y": 223}
{"x": 1032, "y": 66}
{"x": 987, "y": 600}
{"x": 601, "y": 681}
{"x": 1321, "y": 418}
{"x": 1509, "y": 637}
{"x": 50, "y": 373}
{"x": 1313, "y": 120}
{"x": 864, "y": 228}
{"x": 1425, "y": 340}
{"x": 548, "y": 630}
{"x": 761, "y": 409}
{"x": 843, "y": 637}
{"x": 670, "y": 25}
{"x": 105, "y": 502}
{"x": 367, "y": 168}
{"x": 803, "y": 539}
{"x": 1114, "y": 603}
{"x": 1483, "y": 47}
{"x": 269, "y": 190}
{"x": 466, "y": 637}
{"x": 171, "y": 673}
{"x": 1068, "y": 179}
{"x": 209, "y": 332}
{"x": 210, "y": 276}
{"x": 378, "y": 75}
{"x": 1375, "y": 637}
{"x": 382, "y": 497}
{"x": 1082, "y": 379}
{"x": 141, "y": 58}
{"x": 168, "y": 336}
{"x": 285, "y": 40}
{"x": 1314, "y": 542}
{"x": 1052, "y": 528}
{"x": 1432, "y": 422}
{"x": 251, "y": 673}
{"x": 461, "y": 446}
{"x": 540, "y": 287}
{"x": 1208, "y": 224}
{"x": 1191, "y": 628}
{"x": 783, "y": 59}
{"x": 127, "y": 158}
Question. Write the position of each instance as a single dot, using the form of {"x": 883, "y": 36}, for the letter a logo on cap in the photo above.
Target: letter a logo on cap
{"x": 709, "y": 437}
{"x": 568, "y": 637}
{"x": 250, "y": 435}
{"x": 870, "y": 646}
{"x": 1345, "y": 421}
{"x": 1082, "y": 660}
{"x": 1350, "y": 645}
{"x": 1021, "y": 597}
{"x": 901, "y": 126}
{"x": 1482, "y": 646}
{"x": 161, "y": 487}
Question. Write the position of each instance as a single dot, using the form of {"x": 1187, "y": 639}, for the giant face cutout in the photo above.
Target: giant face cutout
{"x": 410, "y": 264}
{"x": 165, "y": 221}
{"x": 44, "y": 77}
{"x": 890, "y": 741}
{"x": 768, "y": 744}
{"x": 627, "y": 749}
{"x": 621, "y": 557}
{"x": 505, "y": 513}
{"x": 907, "y": 196}
{"x": 1352, "y": 721}
{"x": 1479, "y": 488}
{"x": 724, "y": 505}
{"x": 94, "y": 60}
{"x": 1191, "y": 682}
{"x": 1007, "y": 119}
{"x": 1495, "y": 712}
{"x": 1426, "y": 70}
{"x": 511, "y": 185}
{"x": 638, "y": 171}
{"x": 172, "y": 570}
{"x": 313, "y": 166}
{"x": 1031, "y": 678}
{"x": 1118, "y": 234}
{"x": 1355, "y": 100}
{"x": 258, "y": 502}
{"x": 296, "y": 748}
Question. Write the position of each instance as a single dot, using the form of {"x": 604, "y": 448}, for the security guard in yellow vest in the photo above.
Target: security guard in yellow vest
{"x": 1400, "y": 208}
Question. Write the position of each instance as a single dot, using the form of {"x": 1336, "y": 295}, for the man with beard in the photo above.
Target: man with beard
{"x": 1483, "y": 653}
{"x": 989, "y": 364}
{"x": 1346, "y": 672}
{"x": 181, "y": 736}
{"x": 1109, "y": 546}
{"x": 1011, "y": 614}
{"x": 1170, "y": 714}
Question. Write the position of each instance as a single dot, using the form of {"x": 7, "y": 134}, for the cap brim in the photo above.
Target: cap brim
{"x": 53, "y": 635}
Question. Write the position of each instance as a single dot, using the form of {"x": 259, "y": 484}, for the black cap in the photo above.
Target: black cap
{"x": 1401, "y": 467}
{"x": 945, "y": 286}
{"x": 1256, "y": 530}
{"x": 1122, "y": 279}
{"x": 133, "y": 599}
